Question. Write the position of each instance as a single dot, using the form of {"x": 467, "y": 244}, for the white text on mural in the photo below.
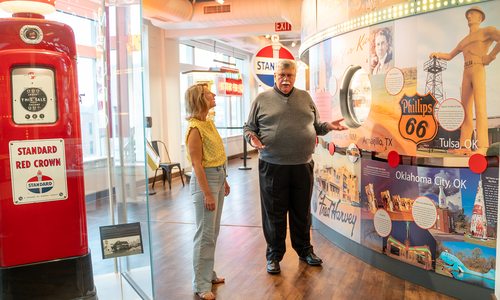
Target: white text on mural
{"x": 334, "y": 212}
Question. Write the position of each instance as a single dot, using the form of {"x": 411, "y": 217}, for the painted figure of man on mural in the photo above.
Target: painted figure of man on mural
{"x": 475, "y": 47}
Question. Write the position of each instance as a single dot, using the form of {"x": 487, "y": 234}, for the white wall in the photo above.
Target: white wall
{"x": 164, "y": 93}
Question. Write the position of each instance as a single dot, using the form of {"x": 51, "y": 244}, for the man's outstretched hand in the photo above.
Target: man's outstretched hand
{"x": 335, "y": 125}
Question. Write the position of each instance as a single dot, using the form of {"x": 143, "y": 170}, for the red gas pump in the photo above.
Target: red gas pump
{"x": 43, "y": 232}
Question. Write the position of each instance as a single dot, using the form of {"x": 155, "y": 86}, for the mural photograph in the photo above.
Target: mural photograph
{"x": 425, "y": 87}
{"x": 479, "y": 48}
{"x": 381, "y": 50}
{"x": 429, "y": 208}
{"x": 435, "y": 92}
{"x": 336, "y": 198}
{"x": 467, "y": 262}
{"x": 460, "y": 70}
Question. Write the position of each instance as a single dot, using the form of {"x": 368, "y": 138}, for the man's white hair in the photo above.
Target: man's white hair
{"x": 285, "y": 64}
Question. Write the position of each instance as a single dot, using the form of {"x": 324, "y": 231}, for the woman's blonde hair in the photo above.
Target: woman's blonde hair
{"x": 195, "y": 100}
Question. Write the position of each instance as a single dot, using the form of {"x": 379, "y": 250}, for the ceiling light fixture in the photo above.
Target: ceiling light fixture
{"x": 220, "y": 1}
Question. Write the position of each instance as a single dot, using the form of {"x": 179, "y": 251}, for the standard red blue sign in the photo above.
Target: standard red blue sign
{"x": 40, "y": 183}
{"x": 265, "y": 60}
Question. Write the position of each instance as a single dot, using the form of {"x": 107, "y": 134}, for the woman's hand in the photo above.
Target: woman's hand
{"x": 227, "y": 188}
{"x": 210, "y": 202}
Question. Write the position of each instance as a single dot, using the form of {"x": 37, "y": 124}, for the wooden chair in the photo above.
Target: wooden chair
{"x": 166, "y": 165}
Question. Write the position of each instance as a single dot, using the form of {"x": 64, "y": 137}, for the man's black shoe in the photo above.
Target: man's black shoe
{"x": 311, "y": 259}
{"x": 273, "y": 267}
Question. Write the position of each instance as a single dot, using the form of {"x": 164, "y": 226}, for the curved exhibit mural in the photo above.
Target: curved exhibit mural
{"x": 430, "y": 78}
{"x": 422, "y": 87}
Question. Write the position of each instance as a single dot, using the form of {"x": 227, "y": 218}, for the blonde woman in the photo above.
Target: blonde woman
{"x": 208, "y": 185}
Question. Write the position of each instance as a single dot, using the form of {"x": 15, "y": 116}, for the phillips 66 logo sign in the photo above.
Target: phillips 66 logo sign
{"x": 417, "y": 122}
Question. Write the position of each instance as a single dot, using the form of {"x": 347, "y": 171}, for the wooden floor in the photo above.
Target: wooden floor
{"x": 240, "y": 254}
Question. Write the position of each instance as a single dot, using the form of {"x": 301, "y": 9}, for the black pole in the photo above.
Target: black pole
{"x": 245, "y": 156}
{"x": 244, "y": 167}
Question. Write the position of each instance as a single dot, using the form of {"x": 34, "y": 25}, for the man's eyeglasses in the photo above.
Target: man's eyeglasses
{"x": 284, "y": 75}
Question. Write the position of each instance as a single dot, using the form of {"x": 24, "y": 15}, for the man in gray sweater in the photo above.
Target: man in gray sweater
{"x": 283, "y": 124}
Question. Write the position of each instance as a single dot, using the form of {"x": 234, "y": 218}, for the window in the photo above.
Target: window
{"x": 92, "y": 117}
{"x": 90, "y": 109}
{"x": 204, "y": 58}
{"x": 85, "y": 34}
{"x": 186, "y": 54}
{"x": 230, "y": 112}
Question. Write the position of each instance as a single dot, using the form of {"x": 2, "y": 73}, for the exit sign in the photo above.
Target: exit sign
{"x": 282, "y": 26}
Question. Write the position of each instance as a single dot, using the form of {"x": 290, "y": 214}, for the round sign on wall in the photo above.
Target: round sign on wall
{"x": 265, "y": 60}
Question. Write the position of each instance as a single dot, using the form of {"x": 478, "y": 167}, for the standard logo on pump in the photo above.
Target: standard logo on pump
{"x": 40, "y": 183}
{"x": 417, "y": 122}
{"x": 265, "y": 60}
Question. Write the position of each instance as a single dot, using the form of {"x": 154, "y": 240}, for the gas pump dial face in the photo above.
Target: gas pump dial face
{"x": 33, "y": 96}
{"x": 33, "y": 99}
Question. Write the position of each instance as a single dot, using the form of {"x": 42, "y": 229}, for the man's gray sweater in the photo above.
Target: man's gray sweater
{"x": 286, "y": 126}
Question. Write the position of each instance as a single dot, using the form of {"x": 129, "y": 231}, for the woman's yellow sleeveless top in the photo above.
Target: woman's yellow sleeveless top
{"x": 214, "y": 154}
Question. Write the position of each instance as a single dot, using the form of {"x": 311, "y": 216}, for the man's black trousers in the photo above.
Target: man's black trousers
{"x": 286, "y": 189}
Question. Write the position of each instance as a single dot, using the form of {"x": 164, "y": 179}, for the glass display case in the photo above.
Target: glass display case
{"x": 98, "y": 104}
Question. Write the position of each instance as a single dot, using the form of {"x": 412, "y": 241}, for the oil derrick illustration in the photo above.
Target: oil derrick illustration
{"x": 434, "y": 85}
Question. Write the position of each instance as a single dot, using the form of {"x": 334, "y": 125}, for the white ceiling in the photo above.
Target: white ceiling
{"x": 244, "y": 27}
